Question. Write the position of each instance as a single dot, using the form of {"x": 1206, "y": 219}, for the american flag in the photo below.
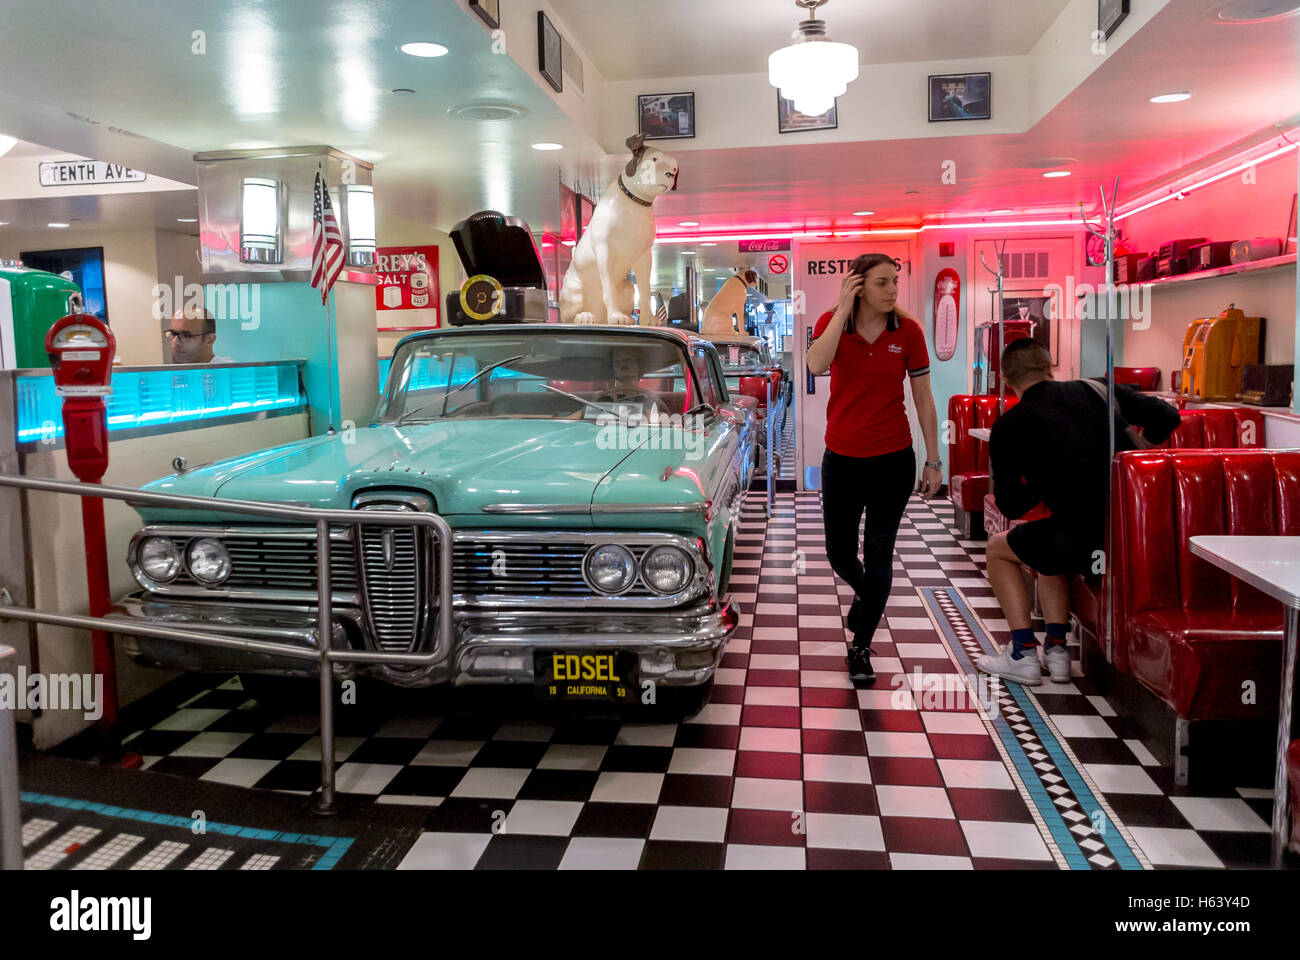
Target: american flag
{"x": 662, "y": 313}
{"x": 326, "y": 242}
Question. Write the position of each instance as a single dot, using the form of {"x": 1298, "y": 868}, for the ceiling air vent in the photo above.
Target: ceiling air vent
{"x": 488, "y": 111}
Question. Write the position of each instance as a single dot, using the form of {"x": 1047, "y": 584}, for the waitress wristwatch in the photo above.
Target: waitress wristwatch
{"x": 937, "y": 464}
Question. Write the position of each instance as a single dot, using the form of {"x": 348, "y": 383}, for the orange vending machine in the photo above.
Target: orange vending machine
{"x": 1216, "y": 351}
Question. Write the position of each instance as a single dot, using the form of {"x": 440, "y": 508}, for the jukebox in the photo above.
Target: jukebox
{"x": 1216, "y": 351}
{"x": 506, "y": 278}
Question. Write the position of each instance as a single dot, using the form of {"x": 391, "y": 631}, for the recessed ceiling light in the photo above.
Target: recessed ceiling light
{"x": 486, "y": 111}
{"x": 4, "y": 223}
{"x": 689, "y": 253}
{"x": 548, "y": 145}
{"x": 1003, "y": 210}
{"x": 57, "y": 226}
{"x": 708, "y": 244}
{"x": 689, "y": 223}
{"x": 423, "y": 49}
{"x": 864, "y": 213}
{"x": 1053, "y": 174}
{"x": 1251, "y": 11}
{"x": 1172, "y": 97}
{"x": 569, "y": 243}
{"x": 187, "y": 219}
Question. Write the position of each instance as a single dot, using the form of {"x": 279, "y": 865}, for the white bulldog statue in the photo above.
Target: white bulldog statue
{"x": 618, "y": 240}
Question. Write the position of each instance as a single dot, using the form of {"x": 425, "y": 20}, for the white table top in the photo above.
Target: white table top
{"x": 979, "y": 433}
{"x": 1270, "y": 564}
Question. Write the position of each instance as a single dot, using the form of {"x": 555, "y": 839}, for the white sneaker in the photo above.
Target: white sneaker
{"x": 1056, "y": 659}
{"x": 1025, "y": 670}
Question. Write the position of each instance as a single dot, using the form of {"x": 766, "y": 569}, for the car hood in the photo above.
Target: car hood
{"x": 464, "y": 464}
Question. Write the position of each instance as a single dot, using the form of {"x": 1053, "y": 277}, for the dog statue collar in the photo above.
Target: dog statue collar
{"x": 632, "y": 196}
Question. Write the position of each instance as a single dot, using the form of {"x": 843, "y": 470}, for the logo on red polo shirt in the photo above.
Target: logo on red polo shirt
{"x": 895, "y": 348}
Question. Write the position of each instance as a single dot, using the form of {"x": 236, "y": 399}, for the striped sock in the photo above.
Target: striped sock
{"x": 1022, "y": 640}
{"x": 1056, "y": 634}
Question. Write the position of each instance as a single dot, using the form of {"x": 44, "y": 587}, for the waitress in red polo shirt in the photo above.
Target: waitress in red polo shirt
{"x": 870, "y": 348}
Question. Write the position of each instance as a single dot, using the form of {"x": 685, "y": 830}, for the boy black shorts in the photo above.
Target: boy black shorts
{"x": 1052, "y": 548}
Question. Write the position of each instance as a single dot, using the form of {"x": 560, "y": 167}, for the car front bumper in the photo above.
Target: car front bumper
{"x": 679, "y": 647}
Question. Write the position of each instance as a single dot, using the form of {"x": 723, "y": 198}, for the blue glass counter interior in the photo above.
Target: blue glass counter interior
{"x": 149, "y": 398}
{"x": 427, "y": 373}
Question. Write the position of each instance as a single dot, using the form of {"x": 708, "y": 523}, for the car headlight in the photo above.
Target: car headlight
{"x": 667, "y": 569}
{"x": 159, "y": 559}
{"x": 208, "y": 560}
{"x": 611, "y": 568}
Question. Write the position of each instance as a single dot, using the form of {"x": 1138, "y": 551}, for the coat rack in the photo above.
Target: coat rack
{"x": 1001, "y": 344}
{"x": 1112, "y": 307}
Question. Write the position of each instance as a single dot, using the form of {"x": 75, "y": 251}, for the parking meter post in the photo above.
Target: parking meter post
{"x": 81, "y": 348}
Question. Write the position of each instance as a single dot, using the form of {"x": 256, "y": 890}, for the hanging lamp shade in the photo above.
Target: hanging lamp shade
{"x": 813, "y": 70}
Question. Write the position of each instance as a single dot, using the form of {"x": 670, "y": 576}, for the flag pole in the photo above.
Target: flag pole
{"x": 330, "y": 314}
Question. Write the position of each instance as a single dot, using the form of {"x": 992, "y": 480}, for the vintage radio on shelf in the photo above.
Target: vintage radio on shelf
{"x": 1207, "y": 256}
{"x": 1173, "y": 257}
{"x": 1146, "y": 269}
{"x": 1126, "y": 267}
{"x": 1256, "y": 248}
{"x": 1216, "y": 350}
{"x": 1267, "y": 384}
{"x": 506, "y": 280}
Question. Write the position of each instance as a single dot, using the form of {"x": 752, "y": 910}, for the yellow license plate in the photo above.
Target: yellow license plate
{"x": 585, "y": 675}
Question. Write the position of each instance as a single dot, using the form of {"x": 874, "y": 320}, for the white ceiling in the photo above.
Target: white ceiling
{"x": 678, "y": 38}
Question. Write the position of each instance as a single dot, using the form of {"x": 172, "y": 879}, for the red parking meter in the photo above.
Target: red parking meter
{"x": 81, "y": 349}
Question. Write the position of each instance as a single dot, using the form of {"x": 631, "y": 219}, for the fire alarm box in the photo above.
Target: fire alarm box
{"x": 81, "y": 349}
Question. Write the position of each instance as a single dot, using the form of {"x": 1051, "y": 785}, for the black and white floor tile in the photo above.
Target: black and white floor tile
{"x": 789, "y": 765}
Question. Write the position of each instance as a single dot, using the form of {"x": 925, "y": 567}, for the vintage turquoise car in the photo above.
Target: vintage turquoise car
{"x": 591, "y": 476}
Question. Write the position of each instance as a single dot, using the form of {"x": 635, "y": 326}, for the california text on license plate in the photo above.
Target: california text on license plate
{"x": 585, "y": 675}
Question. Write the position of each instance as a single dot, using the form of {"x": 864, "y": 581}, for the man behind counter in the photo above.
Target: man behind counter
{"x": 192, "y": 332}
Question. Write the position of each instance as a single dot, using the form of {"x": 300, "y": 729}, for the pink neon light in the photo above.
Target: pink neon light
{"x": 1181, "y": 192}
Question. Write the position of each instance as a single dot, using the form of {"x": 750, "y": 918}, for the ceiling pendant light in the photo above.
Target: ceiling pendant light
{"x": 813, "y": 70}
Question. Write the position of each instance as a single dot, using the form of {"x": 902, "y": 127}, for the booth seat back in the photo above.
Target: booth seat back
{"x": 1139, "y": 378}
{"x": 1217, "y": 428}
{"x": 1162, "y": 498}
{"x": 756, "y": 387}
{"x": 966, "y": 454}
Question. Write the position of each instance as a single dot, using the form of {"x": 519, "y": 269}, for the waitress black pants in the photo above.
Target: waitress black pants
{"x": 879, "y": 488}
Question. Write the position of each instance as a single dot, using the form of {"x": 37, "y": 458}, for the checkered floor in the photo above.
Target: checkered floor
{"x": 788, "y": 765}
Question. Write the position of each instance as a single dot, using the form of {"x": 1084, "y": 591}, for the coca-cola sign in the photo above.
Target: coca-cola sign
{"x": 763, "y": 246}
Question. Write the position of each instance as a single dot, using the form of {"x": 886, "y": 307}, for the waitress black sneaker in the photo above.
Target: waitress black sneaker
{"x": 860, "y": 664}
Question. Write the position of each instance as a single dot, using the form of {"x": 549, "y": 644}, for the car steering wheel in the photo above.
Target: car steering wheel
{"x": 644, "y": 397}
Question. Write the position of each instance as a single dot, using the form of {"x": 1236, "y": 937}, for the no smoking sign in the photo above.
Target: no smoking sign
{"x": 777, "y": 263}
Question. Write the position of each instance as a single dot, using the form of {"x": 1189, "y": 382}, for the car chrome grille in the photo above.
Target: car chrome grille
{"x": 395, "y": 585}
{"x": 280, "y": 562}
{"x": 522, "y": 569}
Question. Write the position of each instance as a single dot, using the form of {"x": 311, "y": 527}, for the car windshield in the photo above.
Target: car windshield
{"x": 539, "y": 375}
{"x": 738, "y": 355}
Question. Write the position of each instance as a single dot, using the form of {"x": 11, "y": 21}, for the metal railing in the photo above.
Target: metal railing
{"x": 769, "y": 420}
{"x": 324, "y": 652}
{"x": 11, "y": 837}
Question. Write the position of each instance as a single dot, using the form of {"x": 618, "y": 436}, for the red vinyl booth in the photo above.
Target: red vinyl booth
{"x": 968, "y": 459}
{"x": 1139, "y": 378}
{"x": 1218, "y": 428}
{"x": 1187, "y": 631}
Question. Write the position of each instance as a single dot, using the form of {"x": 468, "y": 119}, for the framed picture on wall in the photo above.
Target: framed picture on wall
{"x": 489, "y": 11}
{"x": 666, "y": 116}
{"x": 1110, "y": 14}
{"x": 550, "y": 52}
{"x": 961, "y": 96}
{"x": 1042, "y": 313}
{"x": 790, "y": 120}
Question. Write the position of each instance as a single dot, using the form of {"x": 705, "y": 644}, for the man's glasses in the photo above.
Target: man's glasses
{"x": 180, "y": 335}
